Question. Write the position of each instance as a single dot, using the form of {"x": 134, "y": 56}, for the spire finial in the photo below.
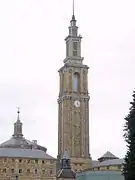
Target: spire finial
{"x": 18, "y": 125}
{"x": 73, "y": 7}
{"x": 73, "y": 16}
{"x": 18, "y": 112}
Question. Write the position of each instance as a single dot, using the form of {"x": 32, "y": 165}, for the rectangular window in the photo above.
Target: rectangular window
{"x": 20, "y": 170}
{"x": 28, "y": 170}
{"x": 35, "y": 171}
{"x": 36, "y": 161}
{"x": 74, "y": 53}
{"x": 43, "y": 171}
{"x": 4, "y": 170}
{"x": 119, "y": 166}
{"x": 75, "y": 48}
{"x": 12, "y": 170}
{"x": 5, "y": 160}
{"x": 67, "y": 50}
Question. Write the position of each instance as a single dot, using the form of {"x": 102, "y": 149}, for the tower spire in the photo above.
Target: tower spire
{"x": 73, "y": 42}
{"x": 73, "y": 16}
{"x": 18, "y": 126}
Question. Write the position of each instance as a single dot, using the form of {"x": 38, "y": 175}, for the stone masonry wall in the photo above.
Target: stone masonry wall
{"x": 27, "y": 169}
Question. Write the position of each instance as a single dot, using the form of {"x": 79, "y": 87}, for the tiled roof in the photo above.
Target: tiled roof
{"x": 24, "y": 153}
{"x": 107, "y": 162}
{"x": 111, "y": 162}
{"x": 66, "y": 173}
{"x": 108, "y": 154}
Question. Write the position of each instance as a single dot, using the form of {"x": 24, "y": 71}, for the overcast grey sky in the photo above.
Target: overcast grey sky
{"x": 32, "y": 49}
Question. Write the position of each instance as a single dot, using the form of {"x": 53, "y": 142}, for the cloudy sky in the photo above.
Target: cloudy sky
{"x": 32, "y": 49}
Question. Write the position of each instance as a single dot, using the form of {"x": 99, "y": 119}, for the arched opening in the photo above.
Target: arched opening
{"x": 76, "y": 82}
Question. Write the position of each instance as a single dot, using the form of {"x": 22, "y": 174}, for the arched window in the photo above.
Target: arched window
{"x": 76, "y": 83}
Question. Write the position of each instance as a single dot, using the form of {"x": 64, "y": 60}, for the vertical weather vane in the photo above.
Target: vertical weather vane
{"x": 18, "y": 110}
{"x": 73, "y": 7}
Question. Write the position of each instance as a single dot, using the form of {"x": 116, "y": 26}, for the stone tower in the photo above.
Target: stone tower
{"x": 73, "y": 103}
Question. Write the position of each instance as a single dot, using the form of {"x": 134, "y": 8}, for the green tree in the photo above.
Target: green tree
{"x": 129, "y": 135}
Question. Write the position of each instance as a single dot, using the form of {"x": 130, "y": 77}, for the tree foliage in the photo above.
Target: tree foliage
{"x": 129, "y": 135}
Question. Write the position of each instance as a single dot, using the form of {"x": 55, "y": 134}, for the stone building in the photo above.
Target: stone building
{"x": 73, "y": 103}
{"x": 25, "y": 160}
{"x": 108, "y": 162}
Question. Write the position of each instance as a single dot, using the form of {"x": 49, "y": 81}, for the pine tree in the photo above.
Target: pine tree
{"x": 129, "y": 135}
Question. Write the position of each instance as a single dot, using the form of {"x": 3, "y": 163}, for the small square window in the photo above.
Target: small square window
{"x": 4, "y": 170}
{"x": 28, "y": 170}
{"x": 20, "y": 160}
{"x": 119, "y": 166}
{"x": 43, "y": 161}
{"x": 20, "y": 170}
{"x": 12, "y": 170}
{"x": 43, "y": 171}
{"x": 28, "y": 161}
{"x": 36, "y": 161}
{"x": 35, "y": 171}
{"x": 5, "y": 160}
{"x": 51, "y": 162}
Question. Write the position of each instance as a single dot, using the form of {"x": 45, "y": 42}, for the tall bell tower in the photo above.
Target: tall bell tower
{"x": 73, "y": 103}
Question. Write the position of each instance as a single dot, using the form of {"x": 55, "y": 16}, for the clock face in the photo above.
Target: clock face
{"x": 77, "y": 103}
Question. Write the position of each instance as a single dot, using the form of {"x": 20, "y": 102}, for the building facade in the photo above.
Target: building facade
{"x": 108, "y": 162}
{"x": 73, "y": 104}
{"x": 25, "y": 160}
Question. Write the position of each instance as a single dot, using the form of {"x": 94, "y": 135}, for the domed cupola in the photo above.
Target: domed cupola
{"x": 18, "y": 140}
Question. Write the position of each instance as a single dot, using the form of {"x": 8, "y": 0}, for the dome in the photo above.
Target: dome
{"x": 17, "y": 145}
{"x": 21, "y": 142}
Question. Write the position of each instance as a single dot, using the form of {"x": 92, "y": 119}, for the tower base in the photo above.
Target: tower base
{"x": 81, "y": 164}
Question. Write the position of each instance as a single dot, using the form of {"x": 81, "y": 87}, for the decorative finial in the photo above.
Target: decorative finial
{"x": 18, "y": 126}
{"x": 73, "y": 7}
{"x": 73, "y": 16}
{"x": 18, "y": 112}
